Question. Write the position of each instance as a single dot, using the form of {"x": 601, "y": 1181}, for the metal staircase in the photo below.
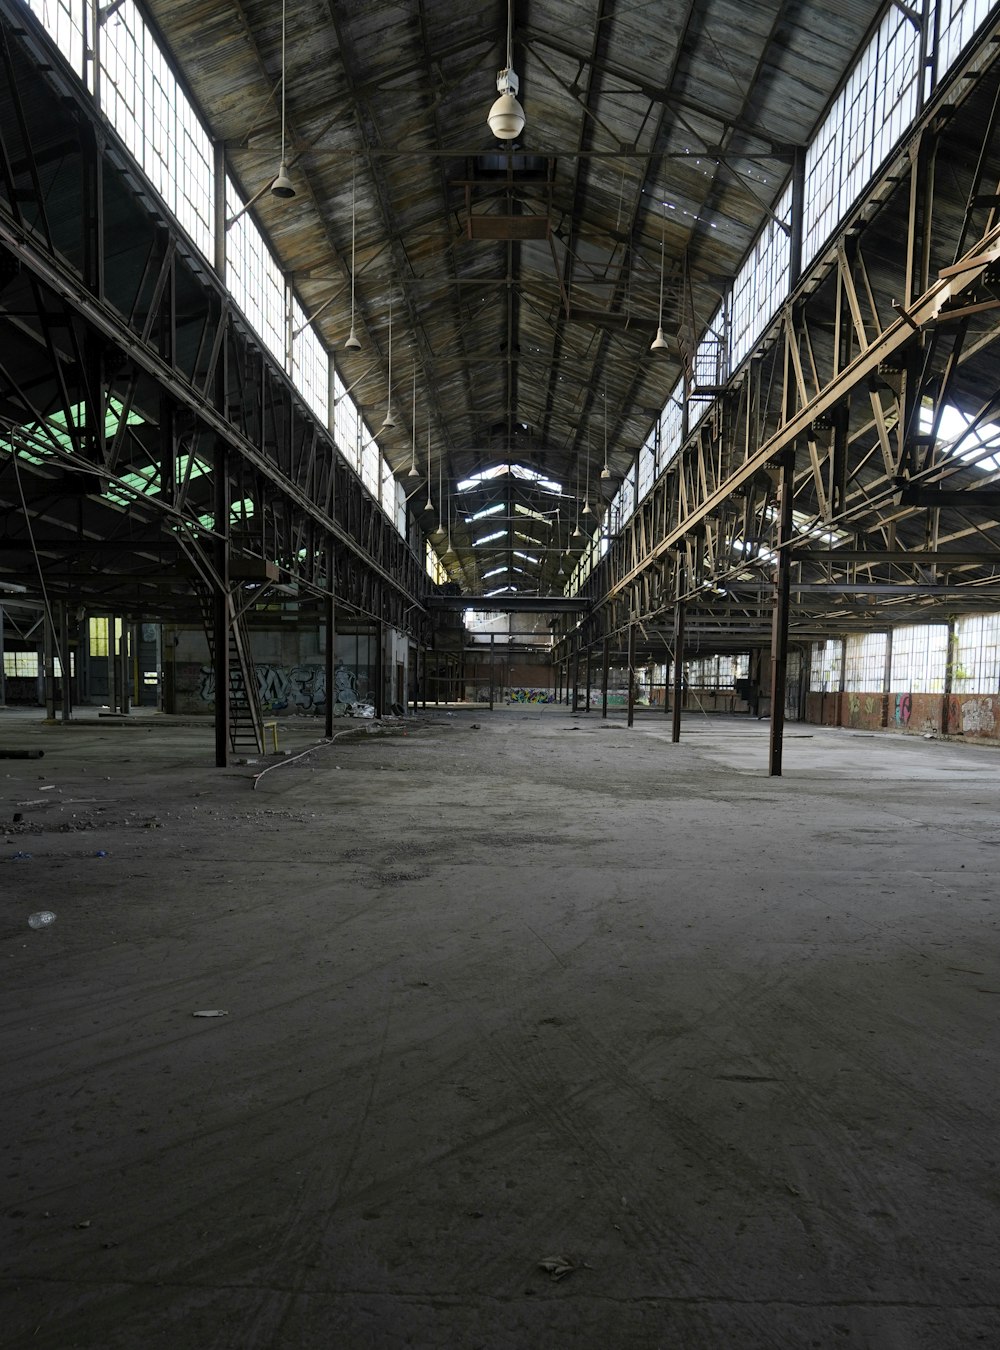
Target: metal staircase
{"x": 245, "y": 719}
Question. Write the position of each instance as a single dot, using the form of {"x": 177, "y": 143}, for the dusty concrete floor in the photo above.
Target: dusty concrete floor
{"x": 728, "y": 1045}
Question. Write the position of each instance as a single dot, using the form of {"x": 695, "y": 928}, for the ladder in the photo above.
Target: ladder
{"x": 244, "y": 717}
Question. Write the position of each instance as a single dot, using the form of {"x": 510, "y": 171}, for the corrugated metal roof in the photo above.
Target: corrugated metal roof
{"x": 515, "y": 340}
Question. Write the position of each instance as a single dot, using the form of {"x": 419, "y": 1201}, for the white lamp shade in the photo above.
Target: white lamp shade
{"x": 506, "y": 118}
{"x": 353, "y": 343}
{"x": 659, "y": 343}
{"x": 282, "y": 185}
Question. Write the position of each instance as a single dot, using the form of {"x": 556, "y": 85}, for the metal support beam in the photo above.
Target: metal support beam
{"x": 782, "y": 604}
{"x": 221, "y": 606}
{"x": 605, "y": 671}
{"x": 631, "y": 674}
{"x": 678, "y": 670}
{"x": 331, "y": 643}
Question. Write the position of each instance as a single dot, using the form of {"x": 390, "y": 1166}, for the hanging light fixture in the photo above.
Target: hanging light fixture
{"x": 428, "y": 505}
{"x": 506, "y": 116}
{"x": 414, "y": 471}
{"x": 353, "y": 344}
{"x": 282, "y": 185}
{"x": 390, "y": 421}
{"x": 659, "y": 343}
{"x": 440, "y": 528}
{"x": 605, "y": 472}
{"x": 586, "y": 492}
{"x": 577, "y": 532}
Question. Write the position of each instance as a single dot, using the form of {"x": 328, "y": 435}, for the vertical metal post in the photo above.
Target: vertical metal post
{"x": 221, "y": 605}
{"x": 631, "y": 674}
{"x": 576, "y": 674}
{"x": 423, "y": 678}
{"x": 887, "y": 678}
{"x": 586, "y": 706}
{"x": 558, "y": 680}
{"x": 678, "y": 699}
{"x": 492, "y": 657}
{"x": 779, "y": 625}
{"x": 331, "y": 644}
{"x": 112, "y": 660}
{"x": 3, "y": 677}
{"x": 65, "y": 687}
{"x": 379, "y": 668}
{"x": 949, "y": 673}
{"x": 123, "y": 663}
{"x": 605, "y": 672}
{"x": 49, "y": 668}
{"x": 666, "y": 686}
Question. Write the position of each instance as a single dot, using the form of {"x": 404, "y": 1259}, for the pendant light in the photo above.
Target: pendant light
{"x": 353, "y": 344}
{"x": 605, "y": 472}
{"x": 659, "y": 343}
{"x": 414, "y": 471}
{"x": 440, "y": 528}
{"x": 428, "y": 505}
{"x": 586, "y": 492}
{"x": 390, "y": 421}
{"x": 282, "y": 185}
{"x": 506, "y": 116}
{"x": 577, "y": 532}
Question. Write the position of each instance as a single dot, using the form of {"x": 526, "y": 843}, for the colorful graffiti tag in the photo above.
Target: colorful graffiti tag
{"x": 904, "y": 706}
{"x": 530, "y": 696}
{"x": 280, "y": 688}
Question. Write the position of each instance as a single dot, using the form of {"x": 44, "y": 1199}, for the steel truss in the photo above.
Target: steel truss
{"x": 149, "y": 445}
{"x": 817, "y": 493}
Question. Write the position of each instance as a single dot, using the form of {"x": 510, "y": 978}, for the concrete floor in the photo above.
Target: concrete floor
{"x": 506, "y": 988}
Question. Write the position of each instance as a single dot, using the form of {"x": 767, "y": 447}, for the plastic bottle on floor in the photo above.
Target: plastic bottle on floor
{"x": 42, "y": 919}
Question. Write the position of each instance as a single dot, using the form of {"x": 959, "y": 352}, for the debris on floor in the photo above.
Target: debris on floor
{"x": 211, "y": 1012}
{"x": 558, "y": 1267}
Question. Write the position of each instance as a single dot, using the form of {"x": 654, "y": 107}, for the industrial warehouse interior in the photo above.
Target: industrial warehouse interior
{"x": 499, "y": 617}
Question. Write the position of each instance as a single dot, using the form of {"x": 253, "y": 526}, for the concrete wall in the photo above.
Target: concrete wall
{"x": 972, "y": 716}
{"x": 290, "y": 665}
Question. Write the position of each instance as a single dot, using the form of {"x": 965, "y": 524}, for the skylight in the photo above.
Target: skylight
{"x": 486, "y": 511}
{"x": 513, "y": 471}
{"x": 488, "y": 538}
{"x": 978, "y": 445}
{"x": 495, "y": 572}
{"x": 527, "y": 557}
{"x": 535, "y": 515}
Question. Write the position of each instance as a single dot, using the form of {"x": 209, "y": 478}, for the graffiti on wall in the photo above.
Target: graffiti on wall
{"x": 279, "y": 688}
{"x": 862, "y": 709}
{"x": 904, "y": 707}
{"x": 975, "y": 716}
{"x": 531, "y": 696}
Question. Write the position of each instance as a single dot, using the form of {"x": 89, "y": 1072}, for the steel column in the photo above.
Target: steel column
{"x": 48, "y": 666}
{"x": 65, "y": 686}
{"x": 779, "y": 627}
{"x": 492, "y": 658}
{"x": 331, "y": 642}
{"x": 221, "y": 605}
{"x": 586, "y": 707}
{"x": 675, "y": 734}
{"x": 631, "y": 674}
{"x": 605, "y": 671}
